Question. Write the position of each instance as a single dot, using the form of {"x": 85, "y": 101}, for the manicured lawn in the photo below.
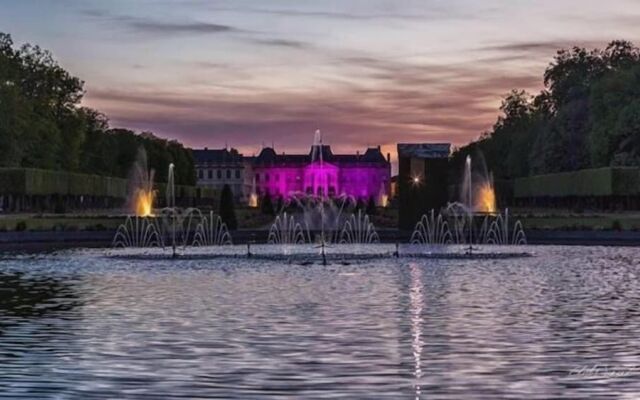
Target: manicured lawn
{"x": 59, "y": 222}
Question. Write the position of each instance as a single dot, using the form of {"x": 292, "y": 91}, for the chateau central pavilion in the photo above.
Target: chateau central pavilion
{"x": 319, "y": 172}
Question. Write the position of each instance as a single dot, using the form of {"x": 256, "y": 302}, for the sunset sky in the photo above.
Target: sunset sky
{"x": 365, "y": 72}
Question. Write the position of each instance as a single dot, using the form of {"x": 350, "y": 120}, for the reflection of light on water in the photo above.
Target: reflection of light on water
{"x": 253, "y": 200}
{"x": 416, "y": 300}
{"x": 144, "y": 203}
{"x": 486, "y": 198}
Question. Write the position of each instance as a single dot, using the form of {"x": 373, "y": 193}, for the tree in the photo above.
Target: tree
{"x": 371, "y": 206}
{"x": 279, "y": 205}
{"x": 587, "y": 116}
{"x": 43, "y": 126}
{"x": 226, "y": 208}
{"x": 266, "y": 205}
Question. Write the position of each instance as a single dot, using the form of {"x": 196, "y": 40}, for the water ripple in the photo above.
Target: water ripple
{"x": 562, "y": 324}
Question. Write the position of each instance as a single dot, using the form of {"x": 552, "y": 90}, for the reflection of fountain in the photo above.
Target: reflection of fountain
{"x": 141, "y": 193}
{"x": 359, "y": 230}
{"x": 211, "y": 231}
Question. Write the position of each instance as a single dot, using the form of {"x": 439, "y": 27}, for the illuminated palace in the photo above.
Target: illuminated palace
{"x": 319, "y": 172}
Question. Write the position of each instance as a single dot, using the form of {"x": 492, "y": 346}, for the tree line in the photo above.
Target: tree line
{"x": 43, "y": 125}
{"x": 587, "y": 116}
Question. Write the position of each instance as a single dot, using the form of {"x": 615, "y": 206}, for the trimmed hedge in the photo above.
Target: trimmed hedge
{"x": 31, "y": 181}
{"x": 609, "y": 181}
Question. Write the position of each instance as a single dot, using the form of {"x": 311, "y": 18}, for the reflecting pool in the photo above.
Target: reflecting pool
{"x": 563, "y": 323}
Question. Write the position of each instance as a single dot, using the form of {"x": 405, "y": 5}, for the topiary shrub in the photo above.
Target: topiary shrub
{"x": 616, "y": 225}
{"x": 266, "y": 205}
{"x": 226, "y": 210}
{"x": 371, "y": 206}
{"x": 21, "y": 226}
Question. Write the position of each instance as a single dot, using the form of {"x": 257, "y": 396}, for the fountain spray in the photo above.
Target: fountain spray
{"x": 171, "y": 204}
{"x": 317, "y": 154}
{"x": 470, "y": 201}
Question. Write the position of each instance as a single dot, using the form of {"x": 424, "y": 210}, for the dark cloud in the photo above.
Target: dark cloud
{"x": 539, "y": 49}
{"x": 294, "y": 44}
{"x": 149, "y": 26}
{"x": 435, "y": 13}
{"x": 155, "y": 27}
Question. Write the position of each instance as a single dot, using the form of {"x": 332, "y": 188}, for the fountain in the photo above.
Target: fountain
{"x": 359, "y": 230}
{"x": 383, "y": 197}
{"x": 172, "y": 225}
{"x": 140, "y": 229}
{"x": 138, "y": 232}
{"x": 317, "y": 219}
{"x": 141, "y": 192}
{"x": 432, "y": 230}
{"x": 323, "y": 214}
{"x": 286, "y": 230}
{"x": 501, "y": 233}
{"x": 317, "y": 157}
{"x": 478, "y": 192}
{"x": 211, "y": 231}
{"x": 475, "y": 220}
{"x": 253, "y": 197}
{"x": 456, "y": 225}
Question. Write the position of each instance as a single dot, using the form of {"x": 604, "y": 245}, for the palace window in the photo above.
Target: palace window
{"x": 237, "y": 174}
{"x": 228, "y": 174}
{"x": 219, "y": 174}
{"x": 210, "y": 174}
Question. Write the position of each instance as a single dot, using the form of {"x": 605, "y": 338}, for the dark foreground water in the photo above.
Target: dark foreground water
{"x": 562, "y": 324}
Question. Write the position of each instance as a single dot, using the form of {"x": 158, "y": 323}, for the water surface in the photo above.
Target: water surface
{"x": 562, "y": 324}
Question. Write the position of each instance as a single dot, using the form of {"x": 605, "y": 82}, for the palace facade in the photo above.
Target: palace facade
{"x": 319, "y": 172}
